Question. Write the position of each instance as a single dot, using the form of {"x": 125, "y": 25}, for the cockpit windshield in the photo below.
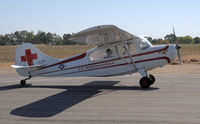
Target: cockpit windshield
{"x": 142, "y": 43}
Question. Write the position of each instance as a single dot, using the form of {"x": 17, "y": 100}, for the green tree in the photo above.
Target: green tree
{"x": 8, "y": 39}
{"x": 17, "y": 38}
{"x": 5, "y": 40}
{"x": 40, "y": 38}
{"x": 171, "y": 38}
{"x": 197, "y": 40}
{"x": 57, "y": 40}
{"x": 150, "y": 39}
{"x": 66, "y": 40}
{"x": 160, "y": 41}
{"x": 29, "y": 37}
{"x": 1, "y": 40}
{"x": 185, "y": 40}
{"x": 49, "y": 38}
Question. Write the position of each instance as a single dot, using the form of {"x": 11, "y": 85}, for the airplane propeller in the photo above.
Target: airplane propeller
{"x": 177, "y": 47}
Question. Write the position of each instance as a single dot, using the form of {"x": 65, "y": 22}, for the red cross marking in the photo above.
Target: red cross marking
{"x": 29, "y": 57}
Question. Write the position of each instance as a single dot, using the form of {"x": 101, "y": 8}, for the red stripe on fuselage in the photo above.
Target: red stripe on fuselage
{"x": 66, "y": 61}
{"x": 152, "y": 59}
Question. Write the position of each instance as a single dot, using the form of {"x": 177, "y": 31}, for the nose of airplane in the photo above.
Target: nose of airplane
{"x": 172, "y": 50}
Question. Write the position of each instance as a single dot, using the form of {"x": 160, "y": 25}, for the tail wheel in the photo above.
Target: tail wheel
{"x": 23, "y": 82}
{"x": 152, "y": 79}
{"x": 145, "y": 82}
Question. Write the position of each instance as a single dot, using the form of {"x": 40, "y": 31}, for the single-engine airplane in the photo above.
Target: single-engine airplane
{"x": 117, "y": 52}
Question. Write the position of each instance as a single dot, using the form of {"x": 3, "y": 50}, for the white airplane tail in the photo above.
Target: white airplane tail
{"x": 29, "y": 58}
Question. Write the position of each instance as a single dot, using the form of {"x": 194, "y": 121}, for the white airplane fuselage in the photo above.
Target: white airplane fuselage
{"x": 82, "y": 66}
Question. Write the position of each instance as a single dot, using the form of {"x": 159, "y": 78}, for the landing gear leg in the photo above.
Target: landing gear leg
{"x": 23, "y": 82}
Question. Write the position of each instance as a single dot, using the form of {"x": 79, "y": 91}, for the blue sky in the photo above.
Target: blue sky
{"x": 141, "y": 17}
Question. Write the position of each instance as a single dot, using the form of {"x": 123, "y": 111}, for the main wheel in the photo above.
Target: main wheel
{"x": 23, "y": 82}
{"x": 145, "y": 82}
{"x": 152, "y": 79}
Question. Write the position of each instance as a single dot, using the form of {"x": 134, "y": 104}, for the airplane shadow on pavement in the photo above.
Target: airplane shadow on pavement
{"x": 73, "y": 95}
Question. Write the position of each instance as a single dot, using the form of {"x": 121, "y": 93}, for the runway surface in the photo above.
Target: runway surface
{"x": 174, "y": 98}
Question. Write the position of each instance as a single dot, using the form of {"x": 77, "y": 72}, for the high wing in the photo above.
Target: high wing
{"x": 102, "y": 35}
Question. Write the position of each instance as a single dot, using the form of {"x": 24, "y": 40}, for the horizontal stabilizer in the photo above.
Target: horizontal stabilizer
{"x": 29, "y": 68}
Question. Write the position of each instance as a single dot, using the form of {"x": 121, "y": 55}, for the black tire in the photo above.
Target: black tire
{"x": 145, "y": 82}
{"x": 23, "y": 82}
{"x": 152, "y": 79}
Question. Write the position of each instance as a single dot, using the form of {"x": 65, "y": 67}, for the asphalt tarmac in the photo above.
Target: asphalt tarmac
{"x": 173, "y": 99}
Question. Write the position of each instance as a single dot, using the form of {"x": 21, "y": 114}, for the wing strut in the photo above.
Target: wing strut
{"x": 129, "y": 54}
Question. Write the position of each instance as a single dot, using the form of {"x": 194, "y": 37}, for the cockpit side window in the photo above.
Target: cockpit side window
{"x": 122, "y": 51}
{"x": 132, "y": 48}
{"x": 102, "y": 53}
{"x": 116, "y": 50}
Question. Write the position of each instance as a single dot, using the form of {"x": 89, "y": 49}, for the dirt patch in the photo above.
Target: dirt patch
{"x": 178, "y": 69}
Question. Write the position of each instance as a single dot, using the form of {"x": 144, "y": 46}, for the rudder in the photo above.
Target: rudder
{"x": 28, "y": 57}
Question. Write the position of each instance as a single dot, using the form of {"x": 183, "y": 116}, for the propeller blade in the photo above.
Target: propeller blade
{"x": 174, "y": 31}
{"x": 178, "y": 53}
{"x": 174, "y": 36}
{"x": 177, "y": 47}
